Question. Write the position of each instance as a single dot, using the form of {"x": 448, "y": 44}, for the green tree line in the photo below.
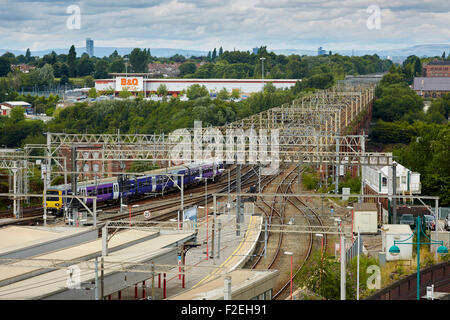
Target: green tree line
{"x": 420, "y": 139}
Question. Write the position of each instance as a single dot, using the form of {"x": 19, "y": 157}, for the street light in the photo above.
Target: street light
{"x": 395, "y": 250}
{"x": 206, "y": 210}
{"x": 290, "y": 254}
{"x": 262, "y": 71}
{"x": 320, "y": 235}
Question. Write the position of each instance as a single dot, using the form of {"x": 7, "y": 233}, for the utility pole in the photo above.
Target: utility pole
{"x": 262, "y": 72}
{"x": 394, "y": 191}
{"x": 238, "y": 200}
{"x": 227, "y": 288}
{"x": 342, "y": 267}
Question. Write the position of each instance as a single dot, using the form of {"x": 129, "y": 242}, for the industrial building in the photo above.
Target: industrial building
{"x": 138, "y": 82}
{"x": 431, "y": 87}
{"x": 7, "y": 106}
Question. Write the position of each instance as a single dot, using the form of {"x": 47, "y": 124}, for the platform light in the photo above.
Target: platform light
{"x": 394, "y": 250}
{"x": 442, "y": 250}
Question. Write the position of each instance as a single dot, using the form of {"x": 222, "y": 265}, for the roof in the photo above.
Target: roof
{"x": 432, "y": 83}
{"x": 439, "y": 63}
{"x": 364, "y": 207}
{"x": 17, "y": 103}
{"x": 396, "y": 228}
{"x": 241, "y": 280}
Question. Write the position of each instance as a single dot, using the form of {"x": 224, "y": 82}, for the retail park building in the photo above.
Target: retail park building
{"x": 138, "y": 82}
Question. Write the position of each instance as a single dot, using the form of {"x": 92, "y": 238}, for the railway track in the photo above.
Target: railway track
{"x": 275, "y": 211}
{"x": 272, "y": 216}
{"x": 313, "y": 219}
{"x": 169, "y": 204}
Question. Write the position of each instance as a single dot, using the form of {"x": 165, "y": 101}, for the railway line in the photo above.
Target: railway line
{"x": 276, "y": 211}
{"x": 168, "y": 204}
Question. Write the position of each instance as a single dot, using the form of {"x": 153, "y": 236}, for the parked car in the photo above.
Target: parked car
{"x": 447, "y": 223}
{"x": 408, "y": 219}
{"x": 429, "y": 222}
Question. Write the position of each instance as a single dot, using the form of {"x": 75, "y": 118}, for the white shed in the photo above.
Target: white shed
{"x": 365, "y": 216}
{"x": 392, "y": 232}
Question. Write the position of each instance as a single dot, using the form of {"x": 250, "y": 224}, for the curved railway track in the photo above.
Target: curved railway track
{"x": 313, "y": 219}
{"x": 272, "y": 215}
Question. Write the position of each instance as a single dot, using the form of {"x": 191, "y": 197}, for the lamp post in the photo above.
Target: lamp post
{"x": 290, "y": 254}
{"x": 206, "y": 211}
{"x": 262, "y": 72}
{"x": 395, "y": 250}
{"x": 320, "y": 235}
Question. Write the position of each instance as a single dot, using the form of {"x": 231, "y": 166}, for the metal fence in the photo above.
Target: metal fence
{"x": 443, "y": 212}
{"x": 352, "y": 251}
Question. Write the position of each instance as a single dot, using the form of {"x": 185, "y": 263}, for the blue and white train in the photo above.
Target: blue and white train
{"x": 155, "y": 181}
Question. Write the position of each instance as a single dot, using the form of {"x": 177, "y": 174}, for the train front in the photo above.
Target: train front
{"x": 54, "y": 201}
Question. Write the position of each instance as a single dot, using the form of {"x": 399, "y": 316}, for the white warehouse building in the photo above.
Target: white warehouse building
{"x": 136, "y": 82}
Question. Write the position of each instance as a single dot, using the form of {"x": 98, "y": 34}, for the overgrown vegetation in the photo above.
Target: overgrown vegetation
{"x": 420, "y": 140}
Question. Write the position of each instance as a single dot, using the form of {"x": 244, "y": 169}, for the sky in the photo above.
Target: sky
{"x": 232, "y": 24}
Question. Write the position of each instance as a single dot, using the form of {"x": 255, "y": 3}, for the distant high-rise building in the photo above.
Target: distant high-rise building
{"x": 321, "y": 52}
{"x": 90, "y": 47}
{"x": 255, "y": 50}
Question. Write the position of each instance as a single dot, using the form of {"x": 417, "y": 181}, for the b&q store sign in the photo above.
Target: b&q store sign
{"x": 130, "y": 83}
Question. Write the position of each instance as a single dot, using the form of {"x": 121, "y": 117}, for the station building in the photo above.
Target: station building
{"x": 378, "y": 181}
{"x": 139, "y": 82}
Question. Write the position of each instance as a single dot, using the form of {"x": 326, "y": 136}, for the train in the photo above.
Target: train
{"x": 110, "y": 190}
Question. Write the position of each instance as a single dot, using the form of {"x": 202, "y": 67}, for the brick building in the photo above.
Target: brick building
{"x": 436, "y": 68}
{"x": 88, "y": 165}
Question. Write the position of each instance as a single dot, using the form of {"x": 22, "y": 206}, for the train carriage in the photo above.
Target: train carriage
{"x": 155, "y": 181}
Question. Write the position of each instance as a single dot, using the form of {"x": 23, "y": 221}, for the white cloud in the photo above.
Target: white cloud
{"x": 201, "y": 24}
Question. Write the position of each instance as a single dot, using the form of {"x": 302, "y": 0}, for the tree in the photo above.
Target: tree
{"x": 321, "y": 274}
{"x": 92, "y": 93}
{"x": 64, "y": 79}
{"x": 101, "y": 69}
{"x": 235, "y": 94}
{"x": 321, "y": 81}
{"x": 46, "y": 74}
{"x": 187, "y": 68}
{"x": 117, "y": 66}
{"x": 223, "y": 94}
{"x": 89, "y": 81}
{"x": 139, "y": 60}
{"x": 162, "y": 90}
{"x": 196, "y": 91}
{"x": 5, "y": 66}
{"x": 28, "y": 55}
{"x": 214, "y": 55}
{"x": 85, "y": 66}
{"x": 220, "y": 51}
{"x": 269, "y": 88}
{"x": 71, "y": 62}
{"x": 124, "y": 94}
{"x": 17, "y": 114}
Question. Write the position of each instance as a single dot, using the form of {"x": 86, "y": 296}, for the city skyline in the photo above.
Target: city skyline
{"x": 202, "y": 25}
